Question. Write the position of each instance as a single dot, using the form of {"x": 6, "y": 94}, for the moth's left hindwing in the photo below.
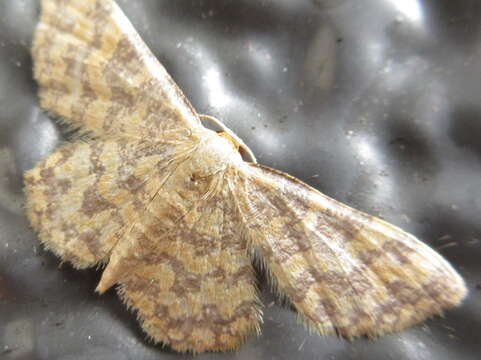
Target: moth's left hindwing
{"x": 84, "y": 197}
{"x": 345, "y": 272}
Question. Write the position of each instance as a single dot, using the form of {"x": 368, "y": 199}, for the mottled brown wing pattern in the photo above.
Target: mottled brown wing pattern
{"x": 184, "y": 268}
{"x": 94, "y": 70}
{"x": 85, "y": 196}
{"x": 176, "y": 216}
{"x": 345, "y": 272}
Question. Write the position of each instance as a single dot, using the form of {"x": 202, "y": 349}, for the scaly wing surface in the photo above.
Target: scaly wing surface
{"x": 345, "y": 272}
{"x": 94, "y": 70}
{"x": 84, "y": 197}
{"x": 185, "y": 269}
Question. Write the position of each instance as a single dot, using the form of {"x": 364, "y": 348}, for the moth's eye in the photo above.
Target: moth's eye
{"x": 195, "y": 179}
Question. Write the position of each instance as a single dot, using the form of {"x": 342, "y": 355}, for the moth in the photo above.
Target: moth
{"x": 176, "y": 217}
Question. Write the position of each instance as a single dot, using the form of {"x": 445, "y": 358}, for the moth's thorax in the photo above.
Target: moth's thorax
{"x": 214, "y": 153}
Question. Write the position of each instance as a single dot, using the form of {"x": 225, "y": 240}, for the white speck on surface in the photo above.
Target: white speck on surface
{"x": 448, "y": 245}
{"x": 473, "y": 241}
{"x": 445, "y": 237}
{"x": 302, "y": 345}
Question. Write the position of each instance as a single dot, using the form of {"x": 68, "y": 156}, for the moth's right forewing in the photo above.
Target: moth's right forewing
{"x": 345, "y": 272}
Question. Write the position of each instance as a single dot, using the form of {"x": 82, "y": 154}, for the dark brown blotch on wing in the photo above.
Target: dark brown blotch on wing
{"x": 94, "y": 203}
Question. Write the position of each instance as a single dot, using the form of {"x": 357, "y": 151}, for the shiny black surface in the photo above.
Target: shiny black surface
{"x": 376, "y": 103}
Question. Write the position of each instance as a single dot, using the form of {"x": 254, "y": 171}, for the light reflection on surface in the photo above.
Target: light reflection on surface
{"x": 217, "y": 95}
{"x": 412, "y": 9}
{"x": 375, "y": 53}
{"x": 365, "y": 151}
{"x": 46, "y": 133}
{"x": 371, "y": 159}
{"x": 396, "y": 75}
{"x": 269, "y": 141}
{"x": 413, "y": 347}
{"x": 260, "y": 55}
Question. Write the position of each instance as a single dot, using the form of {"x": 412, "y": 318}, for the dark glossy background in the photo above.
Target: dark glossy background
{"x": 374, "y": 102}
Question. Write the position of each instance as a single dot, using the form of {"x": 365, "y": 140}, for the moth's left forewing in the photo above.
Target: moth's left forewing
{"x": 94, "y": 71}
{"x": 346, "y": 272}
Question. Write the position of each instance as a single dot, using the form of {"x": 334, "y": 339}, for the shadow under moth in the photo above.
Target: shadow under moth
{"x": 176, "y": 217}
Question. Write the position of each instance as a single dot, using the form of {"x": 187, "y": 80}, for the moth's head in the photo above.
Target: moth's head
{"x": 234, "y": 141}
{"x": 214, "y": 153}
{"x": 238, "y": 145}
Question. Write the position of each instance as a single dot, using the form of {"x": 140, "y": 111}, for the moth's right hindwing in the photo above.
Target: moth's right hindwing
{"x": 345, "y": 272}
